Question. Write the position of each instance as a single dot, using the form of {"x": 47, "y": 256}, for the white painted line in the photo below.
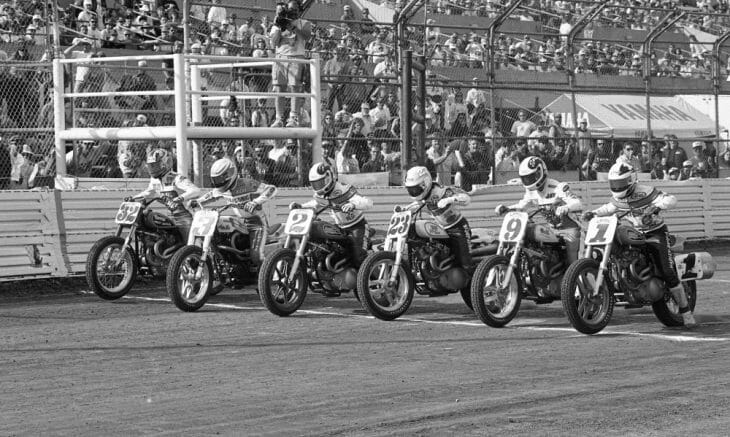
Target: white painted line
{"x": 726, "y": 281}
{"x": 677, "y": 338}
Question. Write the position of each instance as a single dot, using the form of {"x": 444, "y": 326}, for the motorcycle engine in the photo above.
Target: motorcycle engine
{"x": 544, "y": 272}
{"x": 333, "y": 268}
{"x": 637, "y": 279}
{"x": 650, "y": 290}
{"x": 438, "y": 269}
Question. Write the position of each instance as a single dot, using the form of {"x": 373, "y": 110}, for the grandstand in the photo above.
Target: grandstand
{"x": 487, "y": 61}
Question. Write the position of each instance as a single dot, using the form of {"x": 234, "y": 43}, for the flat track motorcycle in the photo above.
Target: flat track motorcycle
{"x": 415, "y": 258}
{"x": 115, "y": 261}
{"x": 529, "y": 264}
{"x": 617, "y": 268}
{"x": 315, "y": 255}
{"x": 219, "y": 254}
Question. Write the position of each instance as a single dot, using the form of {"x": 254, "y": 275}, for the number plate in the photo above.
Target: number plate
{"x": 299, "y": 222}
{"x": 601, "y": 230}
{"x": 204, "y": 223}
{"x": 128, "y": 212}
{"x": 399, "y": 225}
{"x": 513, "y": 227}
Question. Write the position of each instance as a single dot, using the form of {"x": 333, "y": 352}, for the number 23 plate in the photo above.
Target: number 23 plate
{"x": 299, "y": 222}
{"x": 601, "y": 230}
{"x": 513, "y": 227}
{"x": 400, "y": 222}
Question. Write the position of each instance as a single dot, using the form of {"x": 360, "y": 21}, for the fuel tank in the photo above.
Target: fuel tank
{"x": 430, "y": 229}
{"x": 543, "y": 233}
{"x": 322, "y": 230}
{"x": 628, "y": 235}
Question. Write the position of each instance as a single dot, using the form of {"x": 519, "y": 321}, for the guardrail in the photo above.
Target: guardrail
{"x": 49, "y": 233}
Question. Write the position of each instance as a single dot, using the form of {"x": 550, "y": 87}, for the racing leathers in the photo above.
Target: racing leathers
{"x": 557, "y": 194}
{"x": 248, "y": 195}
{"x": 346, "y": 207}
{"x": 443, "y": 203}
{"x": 176, "y": 192}
{"x": 644, "y": 203}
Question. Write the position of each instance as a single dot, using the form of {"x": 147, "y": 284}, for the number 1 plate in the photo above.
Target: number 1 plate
{"x": 513, "y": 227}
{"x": 299, "y": 222}
{"x": 601, "y": 230}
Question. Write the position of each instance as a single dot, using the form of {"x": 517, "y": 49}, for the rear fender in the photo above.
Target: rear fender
{"x": 694, "y": 265}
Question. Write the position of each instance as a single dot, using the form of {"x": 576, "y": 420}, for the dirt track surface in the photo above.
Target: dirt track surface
{"x": 73, "y": 364}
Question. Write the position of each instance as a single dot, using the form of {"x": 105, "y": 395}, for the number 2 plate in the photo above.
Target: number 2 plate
{"x": 204, "y": 223}
{"x": 513, "y": 227}
{"x": 400, "y": 222}
{"x": 299, "y": 222}
{"x": 601, "y": 230}
{"x": 128, "y": 212}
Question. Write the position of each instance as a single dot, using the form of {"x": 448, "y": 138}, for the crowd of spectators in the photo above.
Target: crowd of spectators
{"x": 361, "y": 108}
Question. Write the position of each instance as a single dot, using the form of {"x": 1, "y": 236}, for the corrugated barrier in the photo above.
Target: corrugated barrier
{"x": 49, "y": 233}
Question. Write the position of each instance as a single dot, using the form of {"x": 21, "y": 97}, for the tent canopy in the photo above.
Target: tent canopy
{"x": 624, "y": 116}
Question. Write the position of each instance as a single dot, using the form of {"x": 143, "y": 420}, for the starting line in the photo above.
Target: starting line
{"x": 678, "y": 338}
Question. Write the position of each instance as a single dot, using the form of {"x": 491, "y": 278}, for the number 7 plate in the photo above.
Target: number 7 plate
{"x": 601, "y": 230}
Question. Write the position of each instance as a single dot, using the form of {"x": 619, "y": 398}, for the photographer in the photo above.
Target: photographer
{"x": 289, "y": 35}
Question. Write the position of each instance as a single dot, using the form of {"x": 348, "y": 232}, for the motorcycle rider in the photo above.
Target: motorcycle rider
{"x": 240, "y": 191}
{"x": 442, "y": 203}
{"x": 542, "y": 190}
{"x": 175, "y": 189}
{"x": 648, "y": 202}
{"x": 347, "y": 206}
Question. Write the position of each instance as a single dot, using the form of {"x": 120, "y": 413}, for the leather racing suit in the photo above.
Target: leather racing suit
{"x": 443, "y": 203}
{"x": 353, "y": 222}
{"x": 174, "y": 186}
{"x": 247, "y": 190}
{"x": 557, "y": 194}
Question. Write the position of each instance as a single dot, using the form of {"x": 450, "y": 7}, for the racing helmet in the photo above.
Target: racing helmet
{"x": 622, "y": 179}
{"x": 322, "y": 178}
{"x": 533, "y": 173}
{"x": 418, "y": 182}
{"x": 158, "y": 161}
{"x": 223, "y": 174}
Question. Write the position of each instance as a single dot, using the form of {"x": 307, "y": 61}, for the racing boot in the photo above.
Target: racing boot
{"x": 681, "y": 298}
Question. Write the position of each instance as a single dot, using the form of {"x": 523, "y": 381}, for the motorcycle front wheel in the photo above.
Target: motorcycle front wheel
{"x": 496, "y": 299}
{"x": 279, "y": 295}
{"x": 111, "y": 269}
{"x": 186, "y": 292}
{"x": 587, "y": 313}
{"x": 378, "y": 296}
{"x": 667, "y": 309}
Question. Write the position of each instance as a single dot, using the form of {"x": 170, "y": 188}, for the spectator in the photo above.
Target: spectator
{"x": 507, "y": 159}
{"x": 477, "y": 164}
{"x": 346, "y": 160}
{"x": 380, "y": 115}
{"x": 289, "y": 38}
{"x": 556, "y": 132}
{"x": 584, "y": 138}
{"x": 367, "y": 119}
{"x": 5, "y": 166}
{"x": 355, "y": 143}
{"x": 391, "y": 158}
{"x": 628, "y": 157}
{"x": 522, "y": 127}
{"x": 674, "y": 155}
{"x": 375, "y": 163}
{"x": 589, "y": 167}
{"x": 216, "y": 14}
{"x": 443, "y": 161}
{"x": 475, "y": 97}
{"x": 701, "y": 165}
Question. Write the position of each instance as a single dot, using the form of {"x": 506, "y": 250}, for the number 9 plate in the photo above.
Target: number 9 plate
{"x": 513, "y": 227}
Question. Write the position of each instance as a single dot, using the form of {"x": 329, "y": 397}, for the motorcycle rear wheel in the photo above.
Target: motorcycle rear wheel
{"x": 503, "y": 299}
{"x": 383, "y": 302}
{"x": 98, "y": 276}
{"x": 588, "y": 315}
{"x": 187, "y": 293}
{"x": 667, "y": 309}
{"x": 279, "y": 296}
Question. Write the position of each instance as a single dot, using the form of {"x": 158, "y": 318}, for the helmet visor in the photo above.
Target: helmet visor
{"x": 619, "y": 186}
{"x": 319, "y": 184}
{"x": 415, "y": 191}
{"x": 156, "y": 169}
{"x": 218, "y": 181}
{"x": 531, "y": 179}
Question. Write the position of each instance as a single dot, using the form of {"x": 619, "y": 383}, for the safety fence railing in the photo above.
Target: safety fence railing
{"x": 49, "y": 233}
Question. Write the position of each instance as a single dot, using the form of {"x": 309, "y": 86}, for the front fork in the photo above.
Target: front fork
{"x": 299, "y": 256}
{"x": 400, "y": 248}
{"x": 512, "y": 262}
{"x": 602, "y": 267}
{"x": 127, "y": 242}
{"x": 203, "y": 258}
